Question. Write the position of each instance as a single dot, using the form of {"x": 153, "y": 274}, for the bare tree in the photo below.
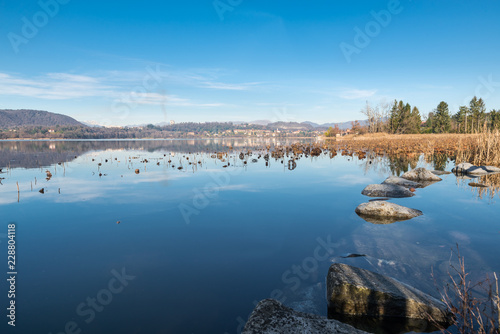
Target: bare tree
{"x": 376, "y": 116}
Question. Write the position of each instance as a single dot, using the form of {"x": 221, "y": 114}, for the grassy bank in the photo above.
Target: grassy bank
{"x": 478, "y": 149}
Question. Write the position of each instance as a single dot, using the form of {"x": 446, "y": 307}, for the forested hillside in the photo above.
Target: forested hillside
{"x": 23, "y": 117}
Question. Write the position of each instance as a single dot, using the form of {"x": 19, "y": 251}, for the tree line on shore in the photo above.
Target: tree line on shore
{"x": 402, "y": 118}
{"x": 147, "y": 131}
{"x": 180, "y": 130}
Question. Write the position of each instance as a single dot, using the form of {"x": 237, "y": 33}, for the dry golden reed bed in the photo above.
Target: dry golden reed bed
{"x": 478, "y": 149}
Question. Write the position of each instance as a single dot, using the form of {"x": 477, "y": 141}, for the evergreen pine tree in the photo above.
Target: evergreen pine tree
{"x": 442, "y": 119}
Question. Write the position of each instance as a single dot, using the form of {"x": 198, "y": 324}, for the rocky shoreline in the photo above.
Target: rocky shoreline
{"x": 361, "y": 301}
{"x": 361, "y": 298}
{"x": 379, "y": 211}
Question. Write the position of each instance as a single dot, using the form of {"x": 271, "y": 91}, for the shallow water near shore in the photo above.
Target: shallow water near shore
{"x": 169, "y": 250}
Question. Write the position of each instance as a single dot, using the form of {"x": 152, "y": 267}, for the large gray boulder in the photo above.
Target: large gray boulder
{"x": 380, "y": 212}
{"x": 420, "y": 174}
{"x": 272, "y": 317}
{"x": 386, "y": 190}
{"x": 355, "y": 291}
{"x": 402, "y": 182}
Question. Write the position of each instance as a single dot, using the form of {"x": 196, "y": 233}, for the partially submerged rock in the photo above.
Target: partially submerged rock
{"x": 351, "y": 255}
{"x": 355, "y": 291}
{"x": 440, "y": 172}
{"x": 492, "y": 169}
{"x": 402, "y": 182}
{"x": 386, "y": 190}
{"x": 420, "y": 174}
{"x": 425, "y": 184}
{"x": 467, "y": 168}
{"x": 483, "y": 170}
{"x": 462, "y": 168}
{"x": 380, "y": 212}
{"x": 478, "y": 185}
{"x": 272, "y": 317}
{"x": 379, "y": 199}
{"x": 380, "y": 220}
{"x": 389, "y": 325}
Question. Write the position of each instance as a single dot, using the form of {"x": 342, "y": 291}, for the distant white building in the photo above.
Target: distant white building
{"x": 172, "y": 122}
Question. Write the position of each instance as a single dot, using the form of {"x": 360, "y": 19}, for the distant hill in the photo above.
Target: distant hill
{"x": 91, "y": 124}
{"x": 260, "y": 122}
{"x": 290, "y": 126}
{"x": 307, "y": 125}
{"x": 15, "y": 118}
{"x": 314, "y": 125}
{"x": 345, "y": 125}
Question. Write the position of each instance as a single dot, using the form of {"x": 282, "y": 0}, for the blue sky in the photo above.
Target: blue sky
{"x": 132, "y": 62}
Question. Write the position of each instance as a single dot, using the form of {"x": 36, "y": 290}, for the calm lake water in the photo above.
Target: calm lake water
{"x": 197, "y": 247}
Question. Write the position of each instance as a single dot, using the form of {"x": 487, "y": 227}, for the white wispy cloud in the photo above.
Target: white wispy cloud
{"x": 124, "y": 86}
{"x": 209, "y": 80}
{"x": 204, "y": 78}
{"x": 157, "y": 99}
{"x": 53, "y": 86}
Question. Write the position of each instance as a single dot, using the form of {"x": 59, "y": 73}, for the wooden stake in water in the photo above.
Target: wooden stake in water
{"x": 17, "y": 184}
{"x": 497, "y": 298}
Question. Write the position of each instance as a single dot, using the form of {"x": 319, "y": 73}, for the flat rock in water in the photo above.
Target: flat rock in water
{"x": 475, "y": 170}
{"x": 425, "y": 184}
{"x": 379, "y": 199}
{"x": 492, "y": 169}
{"x": 351, "y": 255}
{"x": 387, "y": 209}
{"x": 478, "y": 185}
{"x": 271, "y": 317}
{"x": 355, "y": 291}
{"x": 386, "y": 190}
{"x": 402, "y": 182}
{"x": 483, "y": 170}
{"x": 420, "y": 174}
{"x": 440, "y": 172}
{"x": 467, "y": 168}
